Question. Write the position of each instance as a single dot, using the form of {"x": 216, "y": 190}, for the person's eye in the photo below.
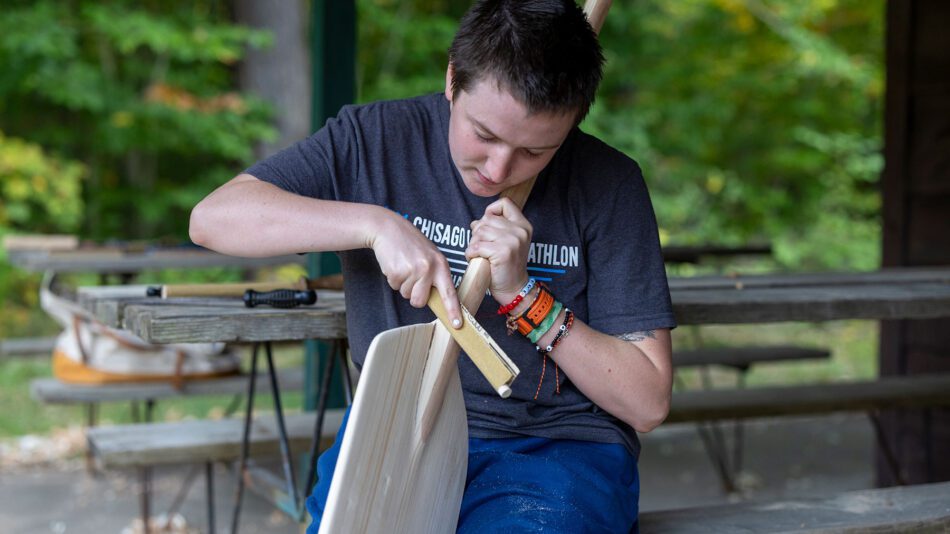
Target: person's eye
{"x": 483, "y": 137}
{"x": 533, "y": 154}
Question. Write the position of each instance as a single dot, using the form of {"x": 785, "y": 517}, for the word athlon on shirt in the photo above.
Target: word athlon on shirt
{"x": 457, "y": 236}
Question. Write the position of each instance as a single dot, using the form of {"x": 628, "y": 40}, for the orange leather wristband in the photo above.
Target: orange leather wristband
{"x": 535, "y": 314}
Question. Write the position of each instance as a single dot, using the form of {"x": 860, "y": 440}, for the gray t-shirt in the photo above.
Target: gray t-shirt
{"x": 595, "y": 244}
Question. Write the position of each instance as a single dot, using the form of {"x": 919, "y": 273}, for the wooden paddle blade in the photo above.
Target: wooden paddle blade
{"x": 388, "y": 479}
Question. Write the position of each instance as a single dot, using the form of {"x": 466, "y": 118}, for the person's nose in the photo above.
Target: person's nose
{"x": 499, "y": 164}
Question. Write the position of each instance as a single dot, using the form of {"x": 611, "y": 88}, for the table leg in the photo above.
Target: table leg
{"x": 886, "y": 449}
{"x": 91, "y": 411}
{"x": 286, "y": 457}
{"x": 209, "y": 488}
{"x": 245, "y": 442}
{"x": 145, "y": 482}
{"x": 318, "y": 427}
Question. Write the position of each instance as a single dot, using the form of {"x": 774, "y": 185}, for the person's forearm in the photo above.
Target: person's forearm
{"x": 248, "y": 217}
{"x": 617, "y": 375}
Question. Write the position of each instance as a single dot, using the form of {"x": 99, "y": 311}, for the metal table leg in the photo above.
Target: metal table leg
{"x": 245, "y": 442}
{"x": 283, "y": 439}
{"x": 209, "y": 488}
{"x": 286, "y": 458}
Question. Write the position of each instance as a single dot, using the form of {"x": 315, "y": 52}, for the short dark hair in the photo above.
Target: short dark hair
{"x": 543, "y": 52}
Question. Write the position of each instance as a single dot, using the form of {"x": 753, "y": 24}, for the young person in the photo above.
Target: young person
{"x": 395, "y": 186}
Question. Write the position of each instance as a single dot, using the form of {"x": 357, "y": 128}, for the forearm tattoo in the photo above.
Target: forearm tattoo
{"x": 638, "y": 336}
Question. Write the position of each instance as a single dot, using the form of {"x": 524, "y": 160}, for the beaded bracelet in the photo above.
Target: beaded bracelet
{"x": 546, "y": 325}
{"x": 562, "y": 332}
{"x": 502, "y": 310}
{"x": 511, "y": 321}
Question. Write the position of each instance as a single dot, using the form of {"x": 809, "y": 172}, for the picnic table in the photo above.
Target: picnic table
{"x": 910, "y": 293}
{"x": 228, "y": 320}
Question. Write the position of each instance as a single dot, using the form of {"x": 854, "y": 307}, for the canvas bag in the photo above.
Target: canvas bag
{"x": 90, "y": 352}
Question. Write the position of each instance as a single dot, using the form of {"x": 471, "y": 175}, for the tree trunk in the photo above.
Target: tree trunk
{"x": 279, "y": 74}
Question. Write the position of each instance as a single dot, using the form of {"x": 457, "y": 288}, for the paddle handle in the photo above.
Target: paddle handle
{"x": 477, "y": 276}
{"x": 597, "y": 12}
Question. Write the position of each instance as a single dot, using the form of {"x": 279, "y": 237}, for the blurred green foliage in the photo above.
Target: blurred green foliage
{"x": 754, "y": 120}
{"x": 141, "y": 93}
{"x": 40, "y": 191}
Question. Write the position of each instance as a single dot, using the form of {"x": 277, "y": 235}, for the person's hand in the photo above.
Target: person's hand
{"x": 413, "y": 265}
{"x": 503, "y": 237}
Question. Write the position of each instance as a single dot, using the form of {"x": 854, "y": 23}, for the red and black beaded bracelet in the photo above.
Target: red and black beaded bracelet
{"x": 562, "y": 332}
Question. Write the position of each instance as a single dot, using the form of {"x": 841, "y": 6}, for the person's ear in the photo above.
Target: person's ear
{"x": 449, "y": 73}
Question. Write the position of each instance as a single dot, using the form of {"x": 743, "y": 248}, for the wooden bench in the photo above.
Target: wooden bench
{"x": 200, "y": 441}
{"x": 870, "y": 396}
{"x": 886, "y": 392}
{"x": 27, "y": 346}
{"x": 144, "y": 446}
{"x": 742, "y": 358}
{"x": 53, "y": 391}
{"x": 921, "y": 508}
{"x": 726, "y": 460}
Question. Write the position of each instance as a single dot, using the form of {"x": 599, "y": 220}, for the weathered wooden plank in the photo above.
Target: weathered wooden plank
{"x": 913, "y": 391}
{"x": 693, "y": 254}
{"x": 27, "y": 346}
{"x": 235, "y": 323}
{"x": 52, "y": 391}
{"x": 913, "y": 293}
{"x": 197, "y": 320}
{"x": 199, "y": 441}
{"x": 884, "y": 276}
{"x": 106, "y": 303}
{"x": 743, "y": 357}
{"x": 911, "y": 509}
{"x": 918, "y": 300}
{"x": 107, "y": 261}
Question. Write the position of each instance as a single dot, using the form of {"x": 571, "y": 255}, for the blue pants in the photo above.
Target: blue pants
{"x": 530, "y": 485}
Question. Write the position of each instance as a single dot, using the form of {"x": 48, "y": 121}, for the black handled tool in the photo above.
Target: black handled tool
{"x": 279, "y": 298}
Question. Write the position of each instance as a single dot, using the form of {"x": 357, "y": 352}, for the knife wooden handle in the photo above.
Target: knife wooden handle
{"x": 485, "y": 353}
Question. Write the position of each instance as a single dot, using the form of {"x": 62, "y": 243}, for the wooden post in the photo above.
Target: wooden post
{"x": 333, "y": 53}
{"x": 916, "y": 227}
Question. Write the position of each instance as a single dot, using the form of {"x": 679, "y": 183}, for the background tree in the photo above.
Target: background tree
{"x": 141, "y": 93}
{"x": 754, "y": 120}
